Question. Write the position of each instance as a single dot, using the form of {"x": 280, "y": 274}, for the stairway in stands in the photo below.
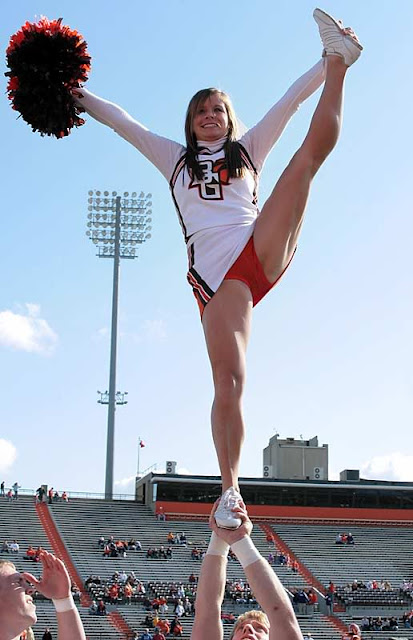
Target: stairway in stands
{"x": 304, "y": 571}
{"x": 59, "y": 549}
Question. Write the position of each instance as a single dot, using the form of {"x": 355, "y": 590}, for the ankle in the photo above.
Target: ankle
{"x": 335, "y": 63}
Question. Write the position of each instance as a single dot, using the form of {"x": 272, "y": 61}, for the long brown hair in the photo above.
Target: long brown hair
{"x": 233, "y": 158}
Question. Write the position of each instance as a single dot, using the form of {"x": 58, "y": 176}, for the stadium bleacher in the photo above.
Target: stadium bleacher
{"x": 382, "y": 553}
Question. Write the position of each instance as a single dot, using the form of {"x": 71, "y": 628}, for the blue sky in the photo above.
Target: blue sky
{"x": 331, "y": 350}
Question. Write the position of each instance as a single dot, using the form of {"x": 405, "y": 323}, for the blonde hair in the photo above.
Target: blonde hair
{"x": 4, "y": 563}
{"x": 255, "y": 614}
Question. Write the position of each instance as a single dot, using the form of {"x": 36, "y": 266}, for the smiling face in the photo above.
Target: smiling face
{"x": 209, "y": 117}
{"x": 17, "y": 610}
{"x": 210, "y": 120}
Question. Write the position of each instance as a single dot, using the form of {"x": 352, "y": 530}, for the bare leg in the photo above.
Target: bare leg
{"x": 226, "y": 322}
{"x": 281, "y": 218}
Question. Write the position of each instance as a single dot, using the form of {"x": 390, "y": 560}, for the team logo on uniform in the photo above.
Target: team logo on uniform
{"x": 215, "y": 176}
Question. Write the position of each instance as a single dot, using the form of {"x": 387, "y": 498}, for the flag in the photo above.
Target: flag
{"x": 141, "y": 443}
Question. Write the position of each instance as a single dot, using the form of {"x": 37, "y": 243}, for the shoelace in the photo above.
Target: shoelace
{"x": 230, "y": 501}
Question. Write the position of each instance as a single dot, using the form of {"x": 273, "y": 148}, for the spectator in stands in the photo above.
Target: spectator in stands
{"x": 5, "y": 547}
{"x": 17, "y": 609}
{"x": 270, "y": 539}
{"x": 101, "y": 608}
{"x": 158, "y": 635}
{"x": 101, "y": 542}
{"x": 30, "y": 553}
{"x": 37, "y": 556}
{"x": 9, "y": 495}
{"x": 339, "y": 539}
{"x": 47, "y": 635}
{"x": 354, "y": 630}
{"x": 331, "y": 590}
{"x": 161, "y": 515}
{"x": 15, "y": 488}
{"x": 156, "y": 619}
{"x": 302, "y": 601}
{"x": 171, "y": 538}
{"x": 164, "y": 626}
{"x": 179, "y": 609}
{"x": 176, "y": 627}
{"x": 40, "y": 492}
{"x": 65, "y": 497}
{"x": 114, "y": 593}
{"x": 14, "y": 547}
{"x": 93, "y": 609}
{"x": 192, "y": 578}
{"x": 350, "y": 539}
{"x": 122, "y": 577}
{"x": 2, "y": 494}
{"x": 145, "y": 635}
{"x": 329, "y": 603}
{"x": 75, "y": 591}
{"x": 128, "y": 593}
{"x": 312, "y": 599}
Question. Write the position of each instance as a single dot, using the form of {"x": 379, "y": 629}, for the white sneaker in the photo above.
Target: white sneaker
{"x": 224, "y": 516}
{"x": 334, "y": 38}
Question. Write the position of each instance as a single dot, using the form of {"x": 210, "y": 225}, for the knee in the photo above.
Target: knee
{"x": 309, "y": 160}
{"x": 229, "y": 384}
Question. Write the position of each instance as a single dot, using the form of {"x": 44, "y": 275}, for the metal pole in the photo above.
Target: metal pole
{"x": 139, "y": 451}
{"x": 113, "y": 348}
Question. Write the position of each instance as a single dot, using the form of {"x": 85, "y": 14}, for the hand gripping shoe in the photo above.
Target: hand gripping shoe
{"x": 224, "y": 516}
{"x": 336, "y": 39}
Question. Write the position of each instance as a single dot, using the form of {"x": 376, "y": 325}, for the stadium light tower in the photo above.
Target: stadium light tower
{"x": 116, "y": 224}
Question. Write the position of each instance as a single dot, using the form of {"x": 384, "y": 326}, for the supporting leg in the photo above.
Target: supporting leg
{"x": 226, "y": 322}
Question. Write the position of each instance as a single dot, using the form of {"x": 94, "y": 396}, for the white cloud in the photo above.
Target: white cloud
{"x": 183, "y": 471}
{"x": 126, "y": 483}
{"x": 155, "y": 329}
{"x": 27, "y": 332}
{"x": 8, "y": 454}
{"x": 394, "y": 466}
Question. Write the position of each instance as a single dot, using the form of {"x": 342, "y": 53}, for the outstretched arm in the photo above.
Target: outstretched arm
{"x": 263, "y": 581}
{"x": 55, "y": 584}
{"x": 210, "y": 592}
{"x": 162, "y": 152}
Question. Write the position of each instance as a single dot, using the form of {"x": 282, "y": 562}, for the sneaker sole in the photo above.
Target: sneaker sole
{"x": 325, "y": 18}
{"x": 229, "y": 528}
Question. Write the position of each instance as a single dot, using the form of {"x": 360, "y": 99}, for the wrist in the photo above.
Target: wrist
{"x": 245, "y": 551}
{"x": 64, "y": 604}
{"x": 217, "y": 546}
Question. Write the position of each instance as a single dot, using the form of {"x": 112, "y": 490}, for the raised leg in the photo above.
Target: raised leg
{"x": 226, "y": 322}
{"x": 281, "y": 218}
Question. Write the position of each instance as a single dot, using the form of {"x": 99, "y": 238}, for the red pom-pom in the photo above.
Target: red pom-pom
{"x": 47, "y": 60}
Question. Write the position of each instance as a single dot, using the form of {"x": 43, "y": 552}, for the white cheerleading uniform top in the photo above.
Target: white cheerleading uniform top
{"x": 217, "y": 215}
